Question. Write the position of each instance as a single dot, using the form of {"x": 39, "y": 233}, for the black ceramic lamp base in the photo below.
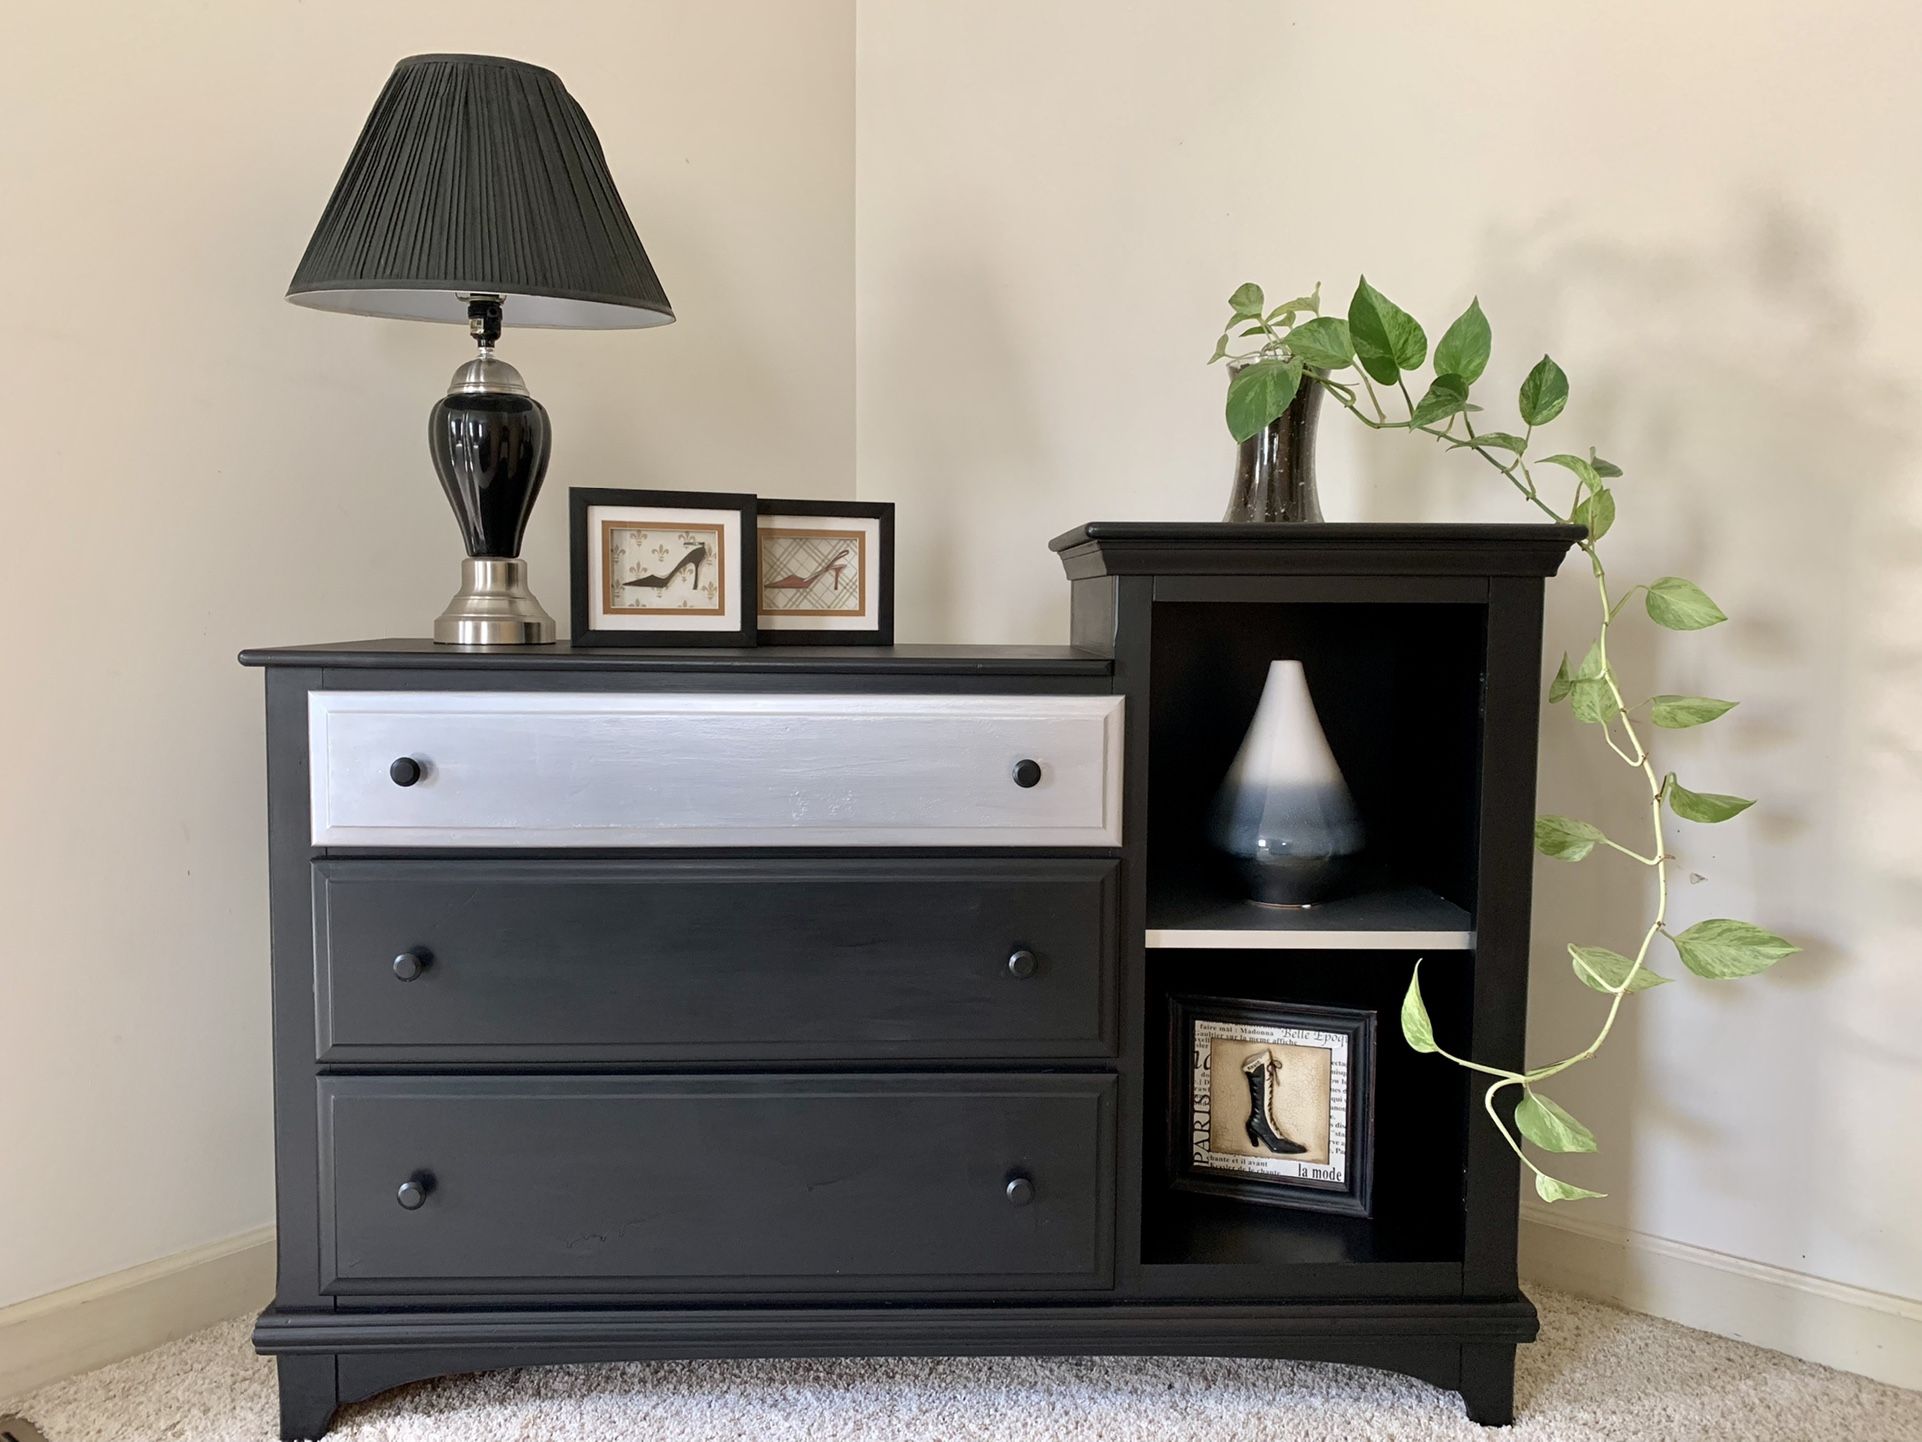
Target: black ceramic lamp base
{"x": 489, "y": 439}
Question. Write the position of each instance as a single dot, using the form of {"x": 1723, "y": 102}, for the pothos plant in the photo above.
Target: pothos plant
{"x": 1378, "y": 344}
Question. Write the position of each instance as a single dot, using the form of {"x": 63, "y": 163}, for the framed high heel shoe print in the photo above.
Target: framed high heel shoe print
{"x": 827, "y": 573}
{"x": 1272, "y": 1102}
{"x": 662, "y": 568}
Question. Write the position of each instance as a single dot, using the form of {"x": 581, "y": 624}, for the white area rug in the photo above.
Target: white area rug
{"x": 1596, "y": 1374}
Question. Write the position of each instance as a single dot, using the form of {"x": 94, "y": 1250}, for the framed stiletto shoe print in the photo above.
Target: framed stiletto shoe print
{"x": 826, "y": 573}
{"x": 1272, "y": 1103}
{"x": 662, "y": 568}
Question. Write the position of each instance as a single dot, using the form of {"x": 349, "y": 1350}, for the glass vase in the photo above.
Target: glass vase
{"x": 1275, "y": 472}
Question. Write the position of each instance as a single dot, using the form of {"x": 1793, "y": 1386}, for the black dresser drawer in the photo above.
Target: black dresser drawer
{"x": 678, "y": 1184}
{"x": 574, "y": 960}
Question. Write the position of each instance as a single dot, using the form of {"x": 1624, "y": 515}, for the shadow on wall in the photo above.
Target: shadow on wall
{"x": 1729, "y": 378}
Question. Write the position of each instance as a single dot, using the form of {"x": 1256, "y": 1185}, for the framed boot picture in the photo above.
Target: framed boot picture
{"x": 1272, "y": 1103}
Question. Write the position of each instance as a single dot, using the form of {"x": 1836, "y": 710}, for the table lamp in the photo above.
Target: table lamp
{"x": 478, "y": 192}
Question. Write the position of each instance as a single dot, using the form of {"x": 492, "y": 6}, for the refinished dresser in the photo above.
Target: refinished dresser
{"x": 794, "y": 1002}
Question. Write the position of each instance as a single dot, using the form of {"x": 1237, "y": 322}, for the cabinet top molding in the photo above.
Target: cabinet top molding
{"x": 1349, "y": 548}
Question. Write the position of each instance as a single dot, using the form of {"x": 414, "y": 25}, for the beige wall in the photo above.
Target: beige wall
{"x": 1708, "y": 213}
{"x": 193, "y": 466}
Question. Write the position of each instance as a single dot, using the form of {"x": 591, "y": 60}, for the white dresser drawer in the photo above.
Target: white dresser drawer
{"x": 683, "y": 769}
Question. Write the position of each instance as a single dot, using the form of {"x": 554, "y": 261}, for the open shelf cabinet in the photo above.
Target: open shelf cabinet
{"x": 1421, "y": 648}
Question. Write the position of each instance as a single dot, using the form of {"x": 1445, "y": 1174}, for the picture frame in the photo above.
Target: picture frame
{"x": 1272, "y": 1103}
{"x": 661, "y": 568}
{"x": 826, "y": 573}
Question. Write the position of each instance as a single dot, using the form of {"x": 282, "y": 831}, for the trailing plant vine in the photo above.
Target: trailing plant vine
{"x": 1383, "y": 346}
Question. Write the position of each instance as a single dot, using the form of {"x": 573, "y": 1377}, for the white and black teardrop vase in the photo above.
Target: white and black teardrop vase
{"x": 1284, "y": 817}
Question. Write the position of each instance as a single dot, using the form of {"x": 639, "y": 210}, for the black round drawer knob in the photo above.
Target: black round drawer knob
{"x": 405, "y": 771}
{"x": 412, "y": 1194}
{"x": 410, "y": 964}
{"x": 1027, "y": 773}
{"x": 1021, "y": 963}
{"x": 1020, "y": 1190}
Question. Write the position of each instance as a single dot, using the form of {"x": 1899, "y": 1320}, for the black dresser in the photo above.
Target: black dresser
{"x": 798, "y": 1002}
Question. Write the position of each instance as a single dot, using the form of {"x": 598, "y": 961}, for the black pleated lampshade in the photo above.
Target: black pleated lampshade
{"x": 479, "y": 176}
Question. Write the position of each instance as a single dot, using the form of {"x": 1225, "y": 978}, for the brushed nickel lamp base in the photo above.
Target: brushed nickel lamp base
{"x": 493, "y": 607}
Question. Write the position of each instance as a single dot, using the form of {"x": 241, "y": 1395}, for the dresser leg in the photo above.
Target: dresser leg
{"x": 1488, "y": 1382}
{"x": 309, "y": 1395}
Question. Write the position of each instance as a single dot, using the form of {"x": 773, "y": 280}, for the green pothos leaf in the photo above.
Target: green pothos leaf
{"x": 1551, "y": 1189}
{"x": 1565, "y": 838}
{"x": 1721, "y": 949}
{"x": 1463, "y": 348}
{"x": 1703, "y": 805}
{"x": 1493, "y": 441}
{"x": 1322, "y": 342}
{"x": 1605, "y": 970}
{"x": 1583, "y": 471}
{"x": 1445, "y": 396}
{"x": 1675, "y": 712}
{"x": 1549, "y": 1126}
{"x": 1387, "y": 338}
{"x": 1544, "y": 392}
{"x": 1596, "y": 510}
{"x": 1416, "y": 1028}
{"x": 1558, "y": 689}
{"x": 1592, "y": 700}
{"x": 1681, "y": 605}
{"x": 1259, "y": 393}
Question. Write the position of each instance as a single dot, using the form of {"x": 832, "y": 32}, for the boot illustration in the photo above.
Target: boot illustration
{"x": 1261, "y": 1070}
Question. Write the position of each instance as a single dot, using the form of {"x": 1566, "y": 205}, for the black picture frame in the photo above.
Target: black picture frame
{"x": 582, "y": 500}
{"x": 882, "y": 632}
{"x": 1352, "y": 1195}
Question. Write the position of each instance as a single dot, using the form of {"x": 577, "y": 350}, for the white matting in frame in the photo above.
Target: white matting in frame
{"x": 630, "y": 548}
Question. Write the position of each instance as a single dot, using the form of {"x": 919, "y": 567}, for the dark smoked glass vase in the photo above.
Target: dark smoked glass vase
{"x": 1275, "y": 472}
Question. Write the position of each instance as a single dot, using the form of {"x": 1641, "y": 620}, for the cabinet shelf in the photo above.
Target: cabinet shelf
{"x": 1405, "y": 918}
{"x": 1195, "y": 1231}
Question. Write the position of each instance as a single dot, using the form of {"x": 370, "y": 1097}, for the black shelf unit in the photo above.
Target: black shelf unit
{"x": 1421, "y": 645}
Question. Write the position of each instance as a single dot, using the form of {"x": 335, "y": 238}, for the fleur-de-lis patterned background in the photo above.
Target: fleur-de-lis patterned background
{"x": 651, "y": 570}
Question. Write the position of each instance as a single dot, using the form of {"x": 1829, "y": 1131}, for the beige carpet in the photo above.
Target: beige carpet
{"x": 1596, "y": 1374}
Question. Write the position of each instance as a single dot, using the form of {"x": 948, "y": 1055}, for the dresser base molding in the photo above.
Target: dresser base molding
{"x": 329, "y": 1359}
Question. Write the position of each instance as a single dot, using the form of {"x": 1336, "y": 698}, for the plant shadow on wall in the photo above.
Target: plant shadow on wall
{"x": 1733, "y": 371}
{"x": 1772, "y": 438}
{"x": 1769, "y": 468}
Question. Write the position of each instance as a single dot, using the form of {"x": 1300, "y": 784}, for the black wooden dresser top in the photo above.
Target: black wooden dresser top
{"x": 563, "y": 656}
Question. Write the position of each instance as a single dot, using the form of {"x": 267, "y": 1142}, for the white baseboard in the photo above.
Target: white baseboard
{"x": 1852, "y": 1328}
{"x": 74, "y": 1330}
